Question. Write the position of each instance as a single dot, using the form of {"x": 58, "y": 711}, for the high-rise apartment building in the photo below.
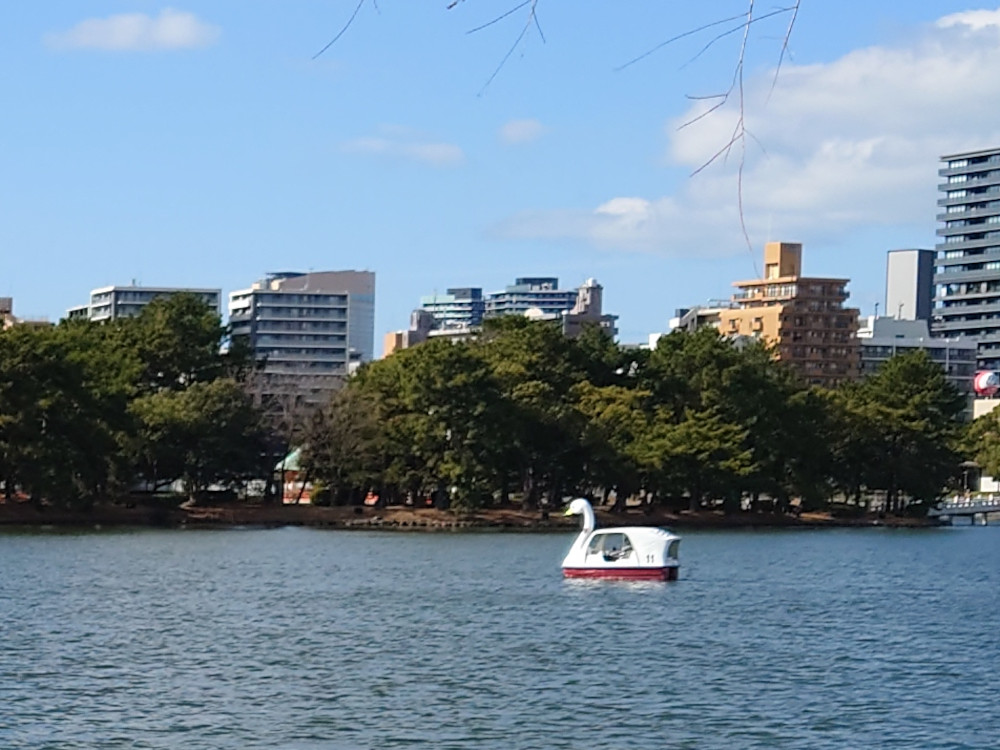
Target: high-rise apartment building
{"x": 967, "y": 281}
{"x": 308, "y": 329}
{"x": 459, "y": 314}
{"x": 527, "y": 293}
{"x": 460, "y": 308}
{"x": 112, "y": 302}
{"x": 909, "y": 284}
{"x": 804, "y": 318}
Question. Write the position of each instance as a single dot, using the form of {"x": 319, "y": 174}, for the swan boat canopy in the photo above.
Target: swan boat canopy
{"x": 632, "y": 552}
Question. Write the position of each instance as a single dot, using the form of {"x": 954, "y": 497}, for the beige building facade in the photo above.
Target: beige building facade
{"x": 803, "y": 318}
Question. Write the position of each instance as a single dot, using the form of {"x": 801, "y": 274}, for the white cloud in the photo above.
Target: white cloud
{"x": 974, "y": 19}
{"x": 835, "y": 148}
{"x": 398, "y": 142}
{"x": 172, "y": 29}
{"x": 516, "y": 132}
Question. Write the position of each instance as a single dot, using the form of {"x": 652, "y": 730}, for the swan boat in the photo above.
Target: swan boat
{"x": 629, "y": 552}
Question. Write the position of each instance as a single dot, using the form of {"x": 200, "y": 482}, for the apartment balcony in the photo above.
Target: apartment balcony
{"x": 988, "y": 193}
{"x": 991, "y": 177}
{"x": 300, "y": 306}
{"x": 981, "y": 227}
{"x": 982, "y": 160}
{"x": 965, "y": 277}
{"x": 978, "y": 244}
{"x": 264, "y": 315}
{"x": 965, "y": 257}
{"x": 977, "y": 328}
{"x": 974, "y": 213}
{"x": 950, "y": 305}
{"x": 270, "y": 328}
{"x": 293, "y": 342}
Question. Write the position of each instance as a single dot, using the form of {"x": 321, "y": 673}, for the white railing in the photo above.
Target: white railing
{"x": 990, "y": 503}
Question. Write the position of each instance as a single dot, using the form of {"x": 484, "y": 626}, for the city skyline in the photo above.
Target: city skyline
{"x": 201, "y": 146}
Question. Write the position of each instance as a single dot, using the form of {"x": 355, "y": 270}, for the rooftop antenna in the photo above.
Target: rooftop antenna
{"x": 899, "y": 312}
{"x": 876, "y": 309}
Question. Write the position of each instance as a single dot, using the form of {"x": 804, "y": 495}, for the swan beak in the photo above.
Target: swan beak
{"x": 569, "y": 512}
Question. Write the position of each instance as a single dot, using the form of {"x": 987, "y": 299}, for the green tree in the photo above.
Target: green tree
{"x": 702, "y": 455}
{"x": 537, "y": 368}
{"x": 344, "y": 446}
{"x": 57, "y": 428}
{"x": 615, "y": 420}
{"x": 205, "y": 434}
{"x": 440, "y": 408}
{"x": 906, "y": 419}
{"x": 178, "y": 340}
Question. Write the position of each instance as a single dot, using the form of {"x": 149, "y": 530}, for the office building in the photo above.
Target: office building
{"x": 804, "y": 318}
{"x": 909, "y": 284}
{"x": 967, "y": 280}
{"x": 113, "y": 302}
{"x": 884, "y": 337}
{"x": 310, "y": 330}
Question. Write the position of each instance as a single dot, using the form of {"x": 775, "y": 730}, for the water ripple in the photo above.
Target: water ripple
{"x": 316, "y": 639}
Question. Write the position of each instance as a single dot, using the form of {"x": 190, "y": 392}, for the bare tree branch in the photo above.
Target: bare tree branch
{"x": 744, "y": 26}
{"x": 740, "y": 133}
{"x": 531, "y": 20}
{"x": 737, "y": 84}
{"x": 499, "y": 18}
{"x": 677, "y": 38}
{"x": 784, "y": 43}
{"x": 736, "y": 87}
{"x": 343, "y": 31}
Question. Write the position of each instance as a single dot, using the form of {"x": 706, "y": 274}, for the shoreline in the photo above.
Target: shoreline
{"x": 415, "y": 520}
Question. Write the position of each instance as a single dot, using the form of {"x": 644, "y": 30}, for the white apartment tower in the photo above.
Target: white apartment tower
{"x": 967, "y": 281}
{"x": 113, "y": 302}
{"x": 308, "y": 329}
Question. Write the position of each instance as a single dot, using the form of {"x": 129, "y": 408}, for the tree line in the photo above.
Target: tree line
{"x": 91, "y": 411}
{"x": 94, "y": 412}
{"x": 523, "y": 413}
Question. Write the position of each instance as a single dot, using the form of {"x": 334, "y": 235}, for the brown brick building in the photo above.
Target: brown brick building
{"x": 803, "y": 318}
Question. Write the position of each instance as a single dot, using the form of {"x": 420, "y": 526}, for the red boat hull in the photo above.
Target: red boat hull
{"x": 628, "y": 574}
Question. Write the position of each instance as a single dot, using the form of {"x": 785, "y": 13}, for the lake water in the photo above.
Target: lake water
{"x": 297, "y": 638}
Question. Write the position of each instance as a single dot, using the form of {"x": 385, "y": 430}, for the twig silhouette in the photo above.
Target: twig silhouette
{"x": 343, "y": 31}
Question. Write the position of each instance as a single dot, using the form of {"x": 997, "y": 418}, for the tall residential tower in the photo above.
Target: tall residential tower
{"x": 967, "y": 280}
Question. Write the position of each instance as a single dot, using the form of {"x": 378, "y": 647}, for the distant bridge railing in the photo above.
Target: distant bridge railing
{"x": 966, "y": 506}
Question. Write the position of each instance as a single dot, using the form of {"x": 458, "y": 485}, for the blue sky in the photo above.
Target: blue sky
{"x": 199, "y": 144}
